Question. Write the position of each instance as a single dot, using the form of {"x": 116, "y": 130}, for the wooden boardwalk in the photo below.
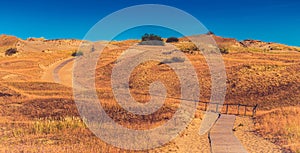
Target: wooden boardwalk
{"x": 222, "y": 139}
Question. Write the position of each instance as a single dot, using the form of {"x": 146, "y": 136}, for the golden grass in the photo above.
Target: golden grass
{"x": 68, "y": 134}
{"x": 255, "y": 76}
{"x": 188, "y": 47}
{"x": 124, "y": 43}
{"x": 282, "y": 127}
{"x": 51, "y": 126}
{"x": 37, "y": 86}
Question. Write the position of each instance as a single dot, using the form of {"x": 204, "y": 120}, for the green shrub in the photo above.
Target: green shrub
{"x": 11, "y": 51}
{"x": 172, "y": 39}
{"x": 79, "y": 53}
{"x": 151, "y": 39}
{"x": 224, "y": 51}
{"x": 188, "y": 47}
{"x": 210, "y": 33}
{"x": 147, "y": 37}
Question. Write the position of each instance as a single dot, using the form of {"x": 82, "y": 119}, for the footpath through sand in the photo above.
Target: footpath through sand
{"x": 223, "y": 139}
{"x": 59, "y": 72}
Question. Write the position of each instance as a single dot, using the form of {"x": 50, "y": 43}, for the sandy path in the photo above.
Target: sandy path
{"x": 189, "y": 140}
{"x": 56, "y": 70}
{"x": 65, "y": 73}
{"x": 59, "y": 72}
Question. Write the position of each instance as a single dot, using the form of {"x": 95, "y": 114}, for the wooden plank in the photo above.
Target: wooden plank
{"x": 222, "y": 137}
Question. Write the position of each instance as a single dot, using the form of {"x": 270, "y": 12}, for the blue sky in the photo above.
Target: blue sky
{"x": 268, "y": 20}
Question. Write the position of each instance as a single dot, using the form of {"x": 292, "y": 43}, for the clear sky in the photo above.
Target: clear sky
{"x": 267, "y": 20}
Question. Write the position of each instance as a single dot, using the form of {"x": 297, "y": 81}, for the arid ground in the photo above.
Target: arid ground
{"x": 38, "y": 112}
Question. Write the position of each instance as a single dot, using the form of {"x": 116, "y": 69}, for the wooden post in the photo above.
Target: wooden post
{"x": 226, "y": 108}
{"x": 217, "y": 108}
{"x": 238, "y": 109}
{"x": 245, "y": 113}
{"x": 254, "y": 110}
{"x": 205, "y": 109}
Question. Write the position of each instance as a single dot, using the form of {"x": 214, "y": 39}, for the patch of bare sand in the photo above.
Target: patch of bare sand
{"x": 48, "y": 74}
{"x": 188, "y": 141}
{"x": 244, "y": 131}
{"x": 66, "y": 74}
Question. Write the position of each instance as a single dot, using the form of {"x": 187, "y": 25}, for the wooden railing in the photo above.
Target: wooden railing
{"x": 234, "y": 109}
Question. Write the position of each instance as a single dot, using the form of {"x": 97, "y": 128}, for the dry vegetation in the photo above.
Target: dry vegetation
{"x": 282, "y": 126}
{"x": 40, "y": 116}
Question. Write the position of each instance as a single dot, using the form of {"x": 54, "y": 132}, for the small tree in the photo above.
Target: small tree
{"x": 172, "y": 39}
{"x": 11, "y": 51}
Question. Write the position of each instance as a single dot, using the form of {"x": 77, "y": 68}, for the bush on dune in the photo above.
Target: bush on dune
{"x": 11, "y": 51}
{"x": 151, "y": 39}
{"x": 79, "y": 53}
{"x": 172, "y": 39}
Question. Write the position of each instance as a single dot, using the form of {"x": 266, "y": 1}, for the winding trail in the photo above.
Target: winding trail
{"x": 60, "y": 72}
{"x": 222, "y": 138}
{"x": 59, "y": 67}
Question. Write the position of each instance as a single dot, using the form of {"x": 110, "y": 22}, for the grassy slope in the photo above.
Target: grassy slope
{"x": 38, "y": 113}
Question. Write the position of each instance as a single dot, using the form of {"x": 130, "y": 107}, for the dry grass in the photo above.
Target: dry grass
{"x": 39, "y": 116}
{"x": 124, "y": 43}
{"x": 46, "y": 126}
{"x": 67, "y": 134}
{"x": 187, "y": 47}
{"x": 282, "y": 127}
{"x": 270, "y": 80}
